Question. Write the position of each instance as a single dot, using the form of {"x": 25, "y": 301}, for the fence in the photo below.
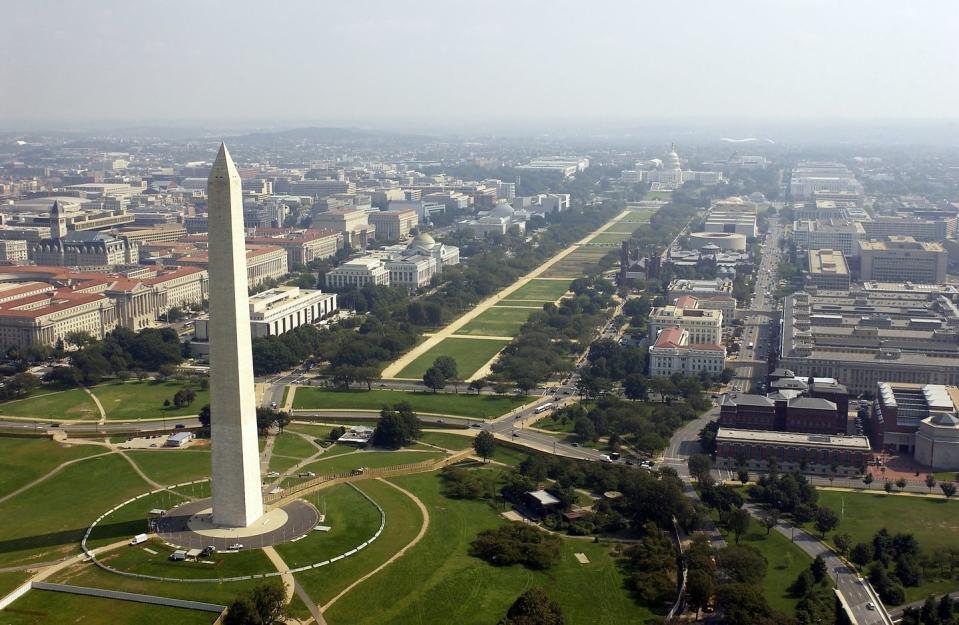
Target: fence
{"x": 129, "y": 596}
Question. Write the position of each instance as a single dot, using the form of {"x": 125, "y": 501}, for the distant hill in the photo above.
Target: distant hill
{"x": 319, "y": 134}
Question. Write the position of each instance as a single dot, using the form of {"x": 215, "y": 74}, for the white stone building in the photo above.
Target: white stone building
{"x": 703, "y": 326}
{"x": 358, "y": 273}
{"x": 673, "y": 352}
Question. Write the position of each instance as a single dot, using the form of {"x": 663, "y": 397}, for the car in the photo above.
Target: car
{"x": 515, "y": 434}
{"x": 574, "y": 444}
{"x": 236, "y": 546}
{"x": 273, "y": 474}
{"x": 475, "y": 425}
{"x": 178, "y": 426}
{"x": 273, "y": 405}
{"x": 870, "y": 605}
{"x": 605, "y": 458}
{"x": 306, "y": 474}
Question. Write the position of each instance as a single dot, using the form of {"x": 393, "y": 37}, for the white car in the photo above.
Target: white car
{"x": 605, "y": 458}
{"x": 236, "y": 546}
{"x": 870, "y": 606}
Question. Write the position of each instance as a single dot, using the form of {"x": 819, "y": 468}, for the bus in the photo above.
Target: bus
{"x": 751, "y": 345}
{"x": 543, "y": 408}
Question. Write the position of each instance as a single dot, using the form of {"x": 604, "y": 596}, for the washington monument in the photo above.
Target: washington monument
{"x": 237, "y": 501}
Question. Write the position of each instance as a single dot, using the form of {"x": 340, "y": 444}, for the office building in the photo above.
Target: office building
{"x": 723, "y": 303}
{"x": 674, "y": 352}
{"x": 277, "y": 311}
{"x": 903, "y": 259}
{"x": 358, "y": 273}
{"x": 704, "y": 326}
{"x": 353, "y": 224}
{"x": 843, "y": 236}
{"x": 883, "y": 226}
{"x": 13, "y": 251}
{"x": 828, "y": 270}
{"x": 792, "y": 451}
{"x": 919, "y": 419}
{"x": 393, "y": 225}
{"x": 262, "y": 262}
{"x": 863, "y": 337}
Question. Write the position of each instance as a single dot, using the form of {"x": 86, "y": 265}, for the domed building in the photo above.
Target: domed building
{"x": 445, "y": 255}
{"x": 501, "y": 219}
{"x": 670, "y": 175}
{"x": 937, "y": 442}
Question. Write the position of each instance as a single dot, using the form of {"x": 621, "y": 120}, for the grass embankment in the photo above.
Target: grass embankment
{"x": 43, "y": 606}
{"x": 473, "y": 406}
{"x": 23, "y": 460}
{"x": 438, "y": 582}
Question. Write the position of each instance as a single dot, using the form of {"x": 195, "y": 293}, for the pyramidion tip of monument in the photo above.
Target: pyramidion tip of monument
{"x": 223, "y": 159}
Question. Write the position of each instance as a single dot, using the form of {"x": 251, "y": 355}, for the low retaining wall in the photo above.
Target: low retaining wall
{"x": 13, "y": 596}
{"x": 129, "y": 596}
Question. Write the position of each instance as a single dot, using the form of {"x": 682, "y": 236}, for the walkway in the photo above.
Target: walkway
{"x": 403, "y": 361}
{"x": 96, "y": 400}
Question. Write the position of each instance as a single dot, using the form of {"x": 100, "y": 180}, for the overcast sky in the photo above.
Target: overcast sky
{"x": 358, "y": 61}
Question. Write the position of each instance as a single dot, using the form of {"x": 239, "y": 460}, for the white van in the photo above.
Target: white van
{"x": 138, "y": 539}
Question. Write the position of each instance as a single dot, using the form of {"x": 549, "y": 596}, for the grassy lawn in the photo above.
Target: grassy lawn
{"x": 623, "y": 227}
{"x": 136, "y": 559}
{"x": 287, "y": 444}
{"x": 934, "y": 523}
{"x": 47, "y": 522}
{"x": 91, "y": 576}
{"x": 368, "y": 459}
{"x": 23, "y": 460}
{"x": 447, "y": 441}
{"x": 540, "y": 290}
{"x": 437, "y": 582}
{"x": 316, "y": 431}
{"x": 173, "y": 466}
{"x": 144, "y": 400}
{"x": 46, "y": 404}
{"x": 469, "y": 354}
{"x": 403, "y": 521}
{"x": 498, "y": 321}
{"x": 638, "y": 216}
{"x": 351, "y": 516}
{"x": 476, "y": 406}
{"x": 44, "y": 606}
{"x": 610, "y": 238}
{"x": 658, "y": 195}
{"x": 577, "y": 264}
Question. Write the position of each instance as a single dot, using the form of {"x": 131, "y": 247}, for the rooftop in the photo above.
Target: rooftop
{"x": 853, "y": 443}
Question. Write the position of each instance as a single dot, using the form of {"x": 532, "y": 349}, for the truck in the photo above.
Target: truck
{"x": 138, "y": 539}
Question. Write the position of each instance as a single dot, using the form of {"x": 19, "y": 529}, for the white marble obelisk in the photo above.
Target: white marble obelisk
{"x": 237, "y": 501}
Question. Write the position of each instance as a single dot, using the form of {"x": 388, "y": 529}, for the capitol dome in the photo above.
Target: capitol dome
{"x": 672, "y": 160}
{"x": 502, "y": 210}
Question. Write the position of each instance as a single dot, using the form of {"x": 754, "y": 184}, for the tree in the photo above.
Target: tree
{"x": 534, "y": 607}
{"x": 434, "y": 378}
{"x": 742, "y": 564}
{"x": 769, "y": 520}
{"x": 634, "y": 386}
{"x": 205, "y": 417}
{"x": 699, "y": 466}
{"x": 484, "y": 445}
{"x": 478, "y": 385}
{"x": 447, "y": 366}
{"x": 819, "y": 569}
{"x": 738, "y": 522}
{"x": 930, "y": 482}
{"x": 887, "y": 486}
{"x": 184, "y": 397}
{"x": 948, "y": 489}
{"x": 901, "y": 484}
{"x": 843, "y": 543}
{"x": 584, "y": 429}
{"x": 700, "y": 586}
{"x": 826, "y": 520}
{"x": 397, "y": 427}
{"x": 264, "y": 604}
{"x": 867, "y": 479}
{"x": 861, "y": 554}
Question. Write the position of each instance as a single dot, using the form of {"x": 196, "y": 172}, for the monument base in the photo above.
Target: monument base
{"x": 191, "y": 526}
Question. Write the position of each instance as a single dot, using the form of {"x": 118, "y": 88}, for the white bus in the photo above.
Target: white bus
{"x": 542, "y": 408}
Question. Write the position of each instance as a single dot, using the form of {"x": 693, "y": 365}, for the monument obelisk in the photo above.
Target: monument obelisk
{"x": 237, "y": 501}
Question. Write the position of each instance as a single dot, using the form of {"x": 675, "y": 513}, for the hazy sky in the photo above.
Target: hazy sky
{"x": 358, "y": 61}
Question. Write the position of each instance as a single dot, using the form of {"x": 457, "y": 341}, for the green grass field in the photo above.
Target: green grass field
{"x": 368, "y": 459}
{"x": 173, "y": 466}
{"x": 287, "y": 444}
{"x": 136, "y": 559}
{"x": 53, "y": 406}
{"x": 497, "y": 321}
{"x": 437, "y": 582}
{"x": 403, "y": 521}
{"x": 321, "y": 432}
{"x": 934, "y": 523}
{"x": 540, "y": 290}
{"x": 351, "y": 516}
{"x": 144, "y": 400}
{"x": 638, "y": 216}
{"x": 658, "y": 195}
{"x": 44, "y": 606}
{"x": 470, "y": 355}
{"x": 23, "y": 460}
{"x": 47, "y": 522}
{"x": 475, "y": 406}
{"x": 578, "y": 263}
{"x": 610, "y": 238}
{"x": 447, "y": 441}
